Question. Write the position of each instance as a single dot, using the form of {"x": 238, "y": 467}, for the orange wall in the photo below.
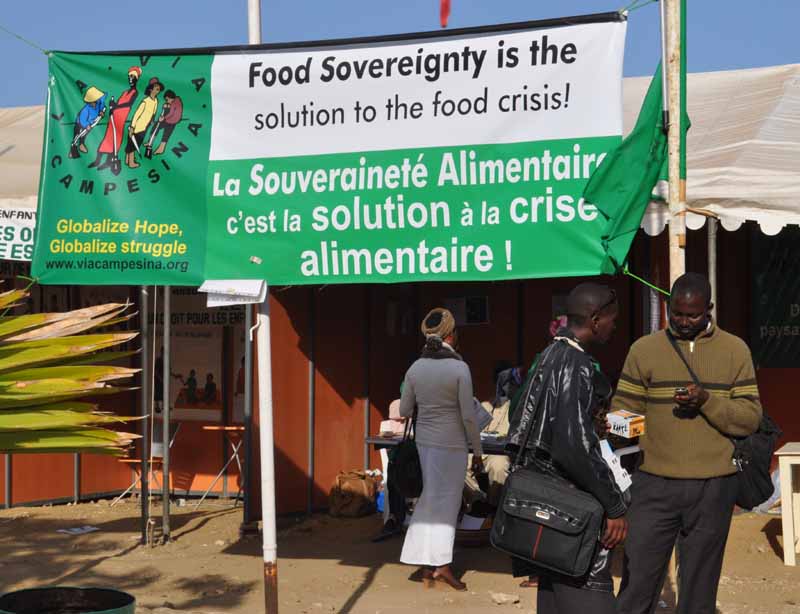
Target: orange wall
{"x": 290, "y": 347}
{"x": 2, "y": 479}
{"x": 341, "y": 320}
{"x": 103, "y": 474}
{"x": 37, "y": 477}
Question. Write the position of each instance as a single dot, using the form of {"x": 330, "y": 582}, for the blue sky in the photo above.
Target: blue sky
{"x": 723, "y": 34}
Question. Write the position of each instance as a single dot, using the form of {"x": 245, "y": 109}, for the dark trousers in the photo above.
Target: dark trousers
{"x": 553, "y": 597}
{"x": 695, "y": 516}
{"x": 397, "y": 504}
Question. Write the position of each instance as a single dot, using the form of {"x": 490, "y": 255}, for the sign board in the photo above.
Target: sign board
{"x": 438, "y": 156}
{"x": 775, "y": 323}
{"x": 16, "y": 233}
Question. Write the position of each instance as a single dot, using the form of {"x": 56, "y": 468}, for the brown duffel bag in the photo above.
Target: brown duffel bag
{"x": 353, "y": 494}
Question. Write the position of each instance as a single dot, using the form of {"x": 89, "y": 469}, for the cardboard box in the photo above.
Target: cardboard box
{"x": 626, "y": 423}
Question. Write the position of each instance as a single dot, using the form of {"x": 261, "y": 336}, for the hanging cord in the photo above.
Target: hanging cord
{"x": 625, "y": 271}
{"x": 636, "y": 4}
{"x": 25, "y": 40}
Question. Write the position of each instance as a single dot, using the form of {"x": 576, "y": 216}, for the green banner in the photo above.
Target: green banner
{"x": 456, "y": 156}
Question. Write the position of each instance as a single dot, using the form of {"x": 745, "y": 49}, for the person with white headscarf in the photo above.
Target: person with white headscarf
{"x": 439, "y": 385}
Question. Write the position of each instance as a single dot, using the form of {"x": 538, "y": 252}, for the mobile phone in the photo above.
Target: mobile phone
{"x": 681, "y": 391}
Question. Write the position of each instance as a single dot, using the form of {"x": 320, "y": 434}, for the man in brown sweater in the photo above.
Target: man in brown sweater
{"x": 685, "y": 489}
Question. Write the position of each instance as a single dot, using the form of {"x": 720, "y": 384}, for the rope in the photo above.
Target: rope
{"x": 625, "y": 271}
{"x": 25, "y": 40}
{"x": 636, "y": 4}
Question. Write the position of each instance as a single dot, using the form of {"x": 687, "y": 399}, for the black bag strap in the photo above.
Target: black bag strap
{"x": 678, "y": 351}
{"x": 410, "y": 429}
{"x": 534, "y": 378}
{"x": 697, "y": 382}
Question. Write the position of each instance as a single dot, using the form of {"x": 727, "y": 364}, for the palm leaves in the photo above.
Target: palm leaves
{"x": 47, "y": 363}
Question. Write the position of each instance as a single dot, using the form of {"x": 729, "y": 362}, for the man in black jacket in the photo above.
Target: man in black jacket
{"x": 564, "y": 442}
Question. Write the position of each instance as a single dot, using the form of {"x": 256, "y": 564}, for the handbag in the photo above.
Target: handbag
{"x": 353, "y": 494}
{"x": 405, "y": 469}
{"x": 545, "y": 519}
{"x": 752, "y": 454}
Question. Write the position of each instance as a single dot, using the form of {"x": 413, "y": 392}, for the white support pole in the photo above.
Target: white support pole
{"x": 254, "y": 22}
{"x": 677, "y": 189}
{"x": 264, "y": 354}
{"x": 712, "y": 262}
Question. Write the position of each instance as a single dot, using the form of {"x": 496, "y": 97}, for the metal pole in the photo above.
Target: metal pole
{"x": 270, "y": 543}
{"x": 677, "y": 188}
{"x": 144, "y": 296}
{"x": 521, "y": 325}
{"x": 248, "y": 410}
{"x": 76, "y": 477}
{"x": 312, "y": 368}
{"x": 8, "y": 481}
{"x": 368, "y": 307}
{"x": 712, "y": 262}
{"x": 664, "y": 62}
{"x": 165, "y": 413}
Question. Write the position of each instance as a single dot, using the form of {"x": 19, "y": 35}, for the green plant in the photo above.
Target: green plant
{"x": 48, "y": 368}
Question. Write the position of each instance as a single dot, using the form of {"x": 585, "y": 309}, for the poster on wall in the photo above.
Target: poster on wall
{"x": 196, "y": 373}
{"x": 457, "y": 155}
{"x": 775, "y": 319}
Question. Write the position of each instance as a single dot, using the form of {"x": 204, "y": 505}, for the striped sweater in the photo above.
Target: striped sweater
{"x": 680, "y": 446}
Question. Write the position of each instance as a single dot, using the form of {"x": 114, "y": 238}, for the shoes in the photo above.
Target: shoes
{"x": 389, "y": 530}
{"x": 432, "y": 579}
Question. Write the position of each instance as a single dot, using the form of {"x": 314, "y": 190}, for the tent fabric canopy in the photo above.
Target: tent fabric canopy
{"x": 21, "y": 130}
{"x": 743, "y": 148}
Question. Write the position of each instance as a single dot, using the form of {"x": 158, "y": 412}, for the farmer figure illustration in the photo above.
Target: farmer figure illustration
{"x": 88, "y": 117}
{"x": 119, "y": 110}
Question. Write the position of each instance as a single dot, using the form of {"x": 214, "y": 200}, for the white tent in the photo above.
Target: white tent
{"x": 21, "y": 133}
{"x": 743, "y": 154}
{"x": 743, "y": 149}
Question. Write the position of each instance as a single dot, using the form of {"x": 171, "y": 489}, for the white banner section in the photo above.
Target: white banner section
{"x": 515, "y": 86}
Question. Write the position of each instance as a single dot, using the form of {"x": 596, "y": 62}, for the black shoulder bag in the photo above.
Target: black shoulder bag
{"x": 546, "y": 520}
{"x": 405, "y": 470}
{"x": 752, "y": 455}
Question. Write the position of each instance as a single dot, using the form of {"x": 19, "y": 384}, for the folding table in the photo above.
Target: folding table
{"x": 233, "y": 435}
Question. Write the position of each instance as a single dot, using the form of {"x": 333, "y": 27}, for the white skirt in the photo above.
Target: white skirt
{"x": 430, "y": 537}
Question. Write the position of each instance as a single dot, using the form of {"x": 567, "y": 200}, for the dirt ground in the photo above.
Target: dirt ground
{"x": 326, "y": 564}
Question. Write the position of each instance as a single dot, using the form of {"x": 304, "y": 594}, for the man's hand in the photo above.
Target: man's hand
{"x": 477, "y": 464}
{"x": 695, "y": 397}
{"x": 615, "y": 533}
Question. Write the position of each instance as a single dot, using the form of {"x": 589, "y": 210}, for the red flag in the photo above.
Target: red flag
{"x": 444, "y": 12}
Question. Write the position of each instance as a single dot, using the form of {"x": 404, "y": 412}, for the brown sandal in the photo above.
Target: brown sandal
{"x": 450, "y": 581}
{"x": 531, "y": 583}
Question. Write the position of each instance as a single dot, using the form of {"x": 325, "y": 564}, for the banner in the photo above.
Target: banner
{"x": 455, "y": 156}
{"x": 775, "y": 319}
{"x": 16, "y": 233}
